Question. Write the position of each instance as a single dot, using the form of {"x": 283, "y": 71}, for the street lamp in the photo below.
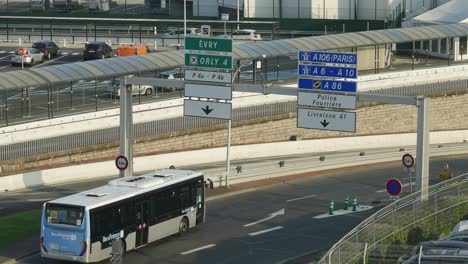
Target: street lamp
{"x": 238, "y": 15}
{"x": 185, "y": 18}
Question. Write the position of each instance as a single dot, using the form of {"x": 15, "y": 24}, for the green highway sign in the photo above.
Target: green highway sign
{"x": 208, "y": 44}
{"x": 208, "y": 61}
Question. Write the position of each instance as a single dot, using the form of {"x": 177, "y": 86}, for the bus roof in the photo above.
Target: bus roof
{"x": 126, "y": 187}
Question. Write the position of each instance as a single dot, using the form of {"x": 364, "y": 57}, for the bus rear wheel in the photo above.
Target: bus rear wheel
{"x": 183, "y": 226}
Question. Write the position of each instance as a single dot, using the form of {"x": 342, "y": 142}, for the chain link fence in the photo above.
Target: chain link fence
{"x": 390, "y": 235}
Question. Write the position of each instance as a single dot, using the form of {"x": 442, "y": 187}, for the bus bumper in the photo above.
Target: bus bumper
{"x": 49, "y": 255}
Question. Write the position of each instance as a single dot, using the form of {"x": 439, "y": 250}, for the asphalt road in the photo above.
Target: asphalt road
{"x": 290, "y": 238}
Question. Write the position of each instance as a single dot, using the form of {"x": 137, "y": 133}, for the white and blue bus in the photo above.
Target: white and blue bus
{"x": 137, "y": 210}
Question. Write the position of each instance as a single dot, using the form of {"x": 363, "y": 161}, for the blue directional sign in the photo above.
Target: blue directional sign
{"x": 327, "y": 71}
{"x": 327, "y": 85}
{"x": 327, "y": 57}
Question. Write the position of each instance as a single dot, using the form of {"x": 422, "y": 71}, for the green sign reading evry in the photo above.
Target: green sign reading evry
{"x": 208, "y": 61}
{"x": 208, "y": 44}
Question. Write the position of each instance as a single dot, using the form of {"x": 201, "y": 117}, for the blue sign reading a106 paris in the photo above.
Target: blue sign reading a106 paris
{"x": 327, "y": 71}
{"x": 327, "y": 85}
{"x": 327, "y": 57}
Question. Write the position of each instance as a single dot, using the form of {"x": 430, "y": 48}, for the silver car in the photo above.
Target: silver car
{"x": 27, "y": 56}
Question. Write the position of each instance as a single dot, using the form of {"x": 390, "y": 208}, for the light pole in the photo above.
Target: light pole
{"x": 185, "y": 18}
{"x": 461, "y": 52}
{"x": 238, "y": 15}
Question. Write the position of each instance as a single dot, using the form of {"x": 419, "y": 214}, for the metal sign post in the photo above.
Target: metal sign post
{"x": 126, "y": 126}
{"x": 208, "y": 75}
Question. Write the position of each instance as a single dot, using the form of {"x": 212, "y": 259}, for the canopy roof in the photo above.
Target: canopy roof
{"x": 121, "y": 66}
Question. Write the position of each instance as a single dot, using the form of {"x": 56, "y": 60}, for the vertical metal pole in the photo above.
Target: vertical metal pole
{"x": 254, "y": 75}
{"x": 86, "y": 28}
{"x": 228, "y": 150}
{"x": 95, "y": 93}
{"x": 28, "y": 101}
{"x": 7, "y": 30}
{"x": 140, "y": 33}
{"x": 277, "y": 68}
{"x": 185, "y": 18}
{"x": 422, "y": 148}
{"x": 375, "y": 10}
{"x": 126, "y": 126}
{"x": 71, "y": 94}
{"x": 238, "y": 13}
{"x": 365, "y": 254}
{"x": 6, "y": 107}
{"x": 22, "y": 102}
{"x": 95, "y": 31}
{"x": 50, "y": 33}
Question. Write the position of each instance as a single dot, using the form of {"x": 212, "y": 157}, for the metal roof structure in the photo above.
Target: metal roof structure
{"x": 121, "y": 66}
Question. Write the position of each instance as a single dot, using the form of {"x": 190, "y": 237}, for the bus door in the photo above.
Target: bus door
{"x": 142, "y": 223}
{"x": 200, "y": 198}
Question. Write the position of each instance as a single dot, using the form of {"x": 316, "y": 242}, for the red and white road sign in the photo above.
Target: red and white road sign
{"x": 121, "y": 162}
{"x": 408, "y": 160}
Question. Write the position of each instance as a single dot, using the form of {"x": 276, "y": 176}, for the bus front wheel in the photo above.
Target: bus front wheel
{"x": 183, "y": 226}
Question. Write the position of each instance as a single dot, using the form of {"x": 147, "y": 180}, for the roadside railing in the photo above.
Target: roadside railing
{"x": 389, "y": 235}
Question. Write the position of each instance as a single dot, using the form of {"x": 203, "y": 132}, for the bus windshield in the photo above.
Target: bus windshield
{"x": 64, "y": 214}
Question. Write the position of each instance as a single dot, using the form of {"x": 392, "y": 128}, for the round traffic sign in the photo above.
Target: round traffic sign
{"x": 393, "y": 186}
{"x": 121, "y": 162}
{"x": 446, "y": 166}
{"x": 408, "y": 160}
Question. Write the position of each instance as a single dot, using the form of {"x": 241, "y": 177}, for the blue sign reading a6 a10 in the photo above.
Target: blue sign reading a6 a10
{"x": 327, "y": 57}
{"x": 327, "y": 71}
{"x": 327, "y": 85}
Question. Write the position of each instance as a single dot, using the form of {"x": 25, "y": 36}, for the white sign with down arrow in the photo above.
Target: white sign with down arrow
{"x": 326, "y": 120}
{"x": 207, "y": 109}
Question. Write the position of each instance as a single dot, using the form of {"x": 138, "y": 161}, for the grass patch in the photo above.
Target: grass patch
{"x": 18, "y": 226}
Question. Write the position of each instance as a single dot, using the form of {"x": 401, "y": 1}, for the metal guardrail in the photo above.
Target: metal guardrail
{"x": 377, "y": 237}
{"x": 104, "y": 136}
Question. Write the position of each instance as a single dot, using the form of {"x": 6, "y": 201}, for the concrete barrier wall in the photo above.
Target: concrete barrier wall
{"x": 147, "y": 163}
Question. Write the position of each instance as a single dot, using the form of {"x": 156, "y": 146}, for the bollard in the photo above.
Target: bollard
{"x": 346, "y": 203}
{"x": 332, "y": 206}
{"x": 354, "y": 204}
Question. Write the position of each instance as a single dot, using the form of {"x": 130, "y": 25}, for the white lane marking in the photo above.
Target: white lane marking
{"x": 300, "y": 198}
{"x": 6, "y": 57}
{"x": 64, "y": 53}
{"x": 198, "y": 249}
{"x": 280, "y": 212}
{"x": 359, "y": 208}
{"x": 47, "y": 62}
{"x": 74, "y": 54}
{"x": 2, "y": 51}
{"x": 403, "y": 185}
{"x": 11, "y": 52}
{"x": 5, "y": 67}
{"x": 265, "y": 231}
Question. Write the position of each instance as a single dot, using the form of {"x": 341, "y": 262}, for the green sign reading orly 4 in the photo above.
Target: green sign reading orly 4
{"x": 208, "y": 61}
{"x": 208, "y": 44}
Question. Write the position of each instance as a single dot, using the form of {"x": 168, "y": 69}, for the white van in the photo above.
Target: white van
{"x": 114, "y": 88}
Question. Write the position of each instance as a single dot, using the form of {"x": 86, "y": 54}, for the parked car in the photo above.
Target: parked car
{"x": 457, "y": 236}
{"x": 97, "y": 50}
{"x": 179, "y": 33}
{"x": 49, "y": 48}
{"x": 451, "y": 251}
{"x": 243, "y": 34}
{"x": 115, "y": 85}
{"x": 461, "y": 226}
{"x": 27, "y": 56}
{"x": 177, "y": 74}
